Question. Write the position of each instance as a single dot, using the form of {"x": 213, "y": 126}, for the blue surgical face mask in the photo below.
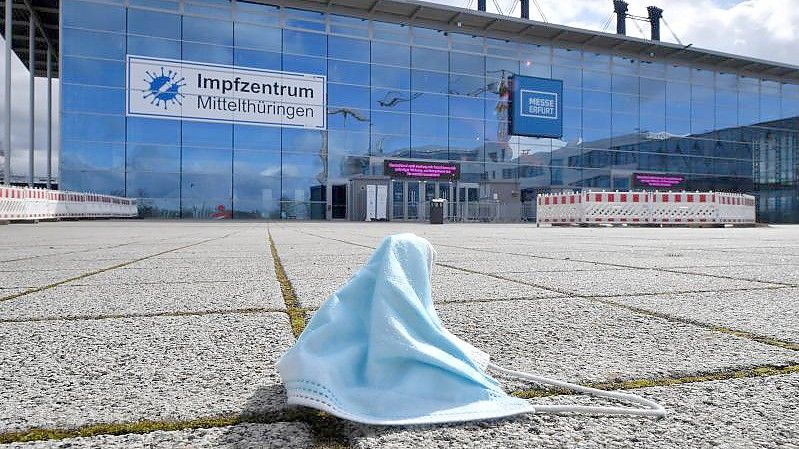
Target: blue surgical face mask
{"x": 377, "y": 353}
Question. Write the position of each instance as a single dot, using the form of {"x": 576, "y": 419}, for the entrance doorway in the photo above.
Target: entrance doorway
{"x": 468, "y": 202}
{"x": 338, "y": 202}
{"x": 411, "y": 198}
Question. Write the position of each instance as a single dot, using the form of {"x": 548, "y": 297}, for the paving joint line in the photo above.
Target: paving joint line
{"x": 102, "y": 270}
{"x": 327, "y": 430}
{"x": 729, "y": 331}
{"x": 246, "y": 311}
{"x": 631, "y": 384}
{"x": 295, "y": 312}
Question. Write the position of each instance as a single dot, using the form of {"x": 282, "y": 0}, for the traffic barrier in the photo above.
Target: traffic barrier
{"x": 26, "y": 204}
{"x": 641, "y": 208}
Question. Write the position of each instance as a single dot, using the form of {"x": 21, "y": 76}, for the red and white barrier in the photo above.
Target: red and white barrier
{"x": 681, "y": 208}
{"x": 23, "y": 204}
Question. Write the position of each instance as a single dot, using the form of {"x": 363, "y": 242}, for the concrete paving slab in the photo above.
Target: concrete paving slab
{"x": 787, "y": 274}
{"x": 137, "y": 276}
{"x": 499, "y": 264}
{"x": 739, "y": 413}
{"x": 32, "y": 279}
{"x": 63, "y": 374}
{"x": 448, "y": 285}
{"x": 773, "y": 313}
{"x": 581, "y": 340}
{"x": 76, "y": 300}
{"x": 631, "y": 282}
{"x": 277, "y": 435}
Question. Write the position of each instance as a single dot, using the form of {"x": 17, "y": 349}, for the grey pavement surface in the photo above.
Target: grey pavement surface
{"x": 153, "y": 321}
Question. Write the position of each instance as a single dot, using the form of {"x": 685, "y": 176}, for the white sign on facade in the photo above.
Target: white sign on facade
{"x": 382, "y": 202}
{"x": 173, "y": 89}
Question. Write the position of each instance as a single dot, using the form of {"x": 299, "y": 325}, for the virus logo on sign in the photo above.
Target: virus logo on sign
{"x": 164, "y": 88}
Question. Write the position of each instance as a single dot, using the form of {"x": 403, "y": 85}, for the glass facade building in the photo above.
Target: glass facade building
{"x": 400, "y": 90}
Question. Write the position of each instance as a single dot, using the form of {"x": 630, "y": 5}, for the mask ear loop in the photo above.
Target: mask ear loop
{"x": 653, "y": 408}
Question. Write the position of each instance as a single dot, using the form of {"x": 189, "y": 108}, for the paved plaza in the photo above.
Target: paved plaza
{"x": 148, "y": 334}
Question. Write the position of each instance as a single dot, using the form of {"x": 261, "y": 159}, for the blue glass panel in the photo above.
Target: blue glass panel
{"x": 396, "y": 77}
{"x": 198, "y": 160}
{"x": 748, "y": 108}
{"x": 257, "y": 59}
{"x": 467, "y": 63}
{"x": 207, "y": 53}
{"x": 769, "y": 107}
{"x": 304, "y": 64}
{"x": 101, "y": 181}
{"x": 597, "y": 100}
{"x": 347, "y": 95}
{"x": 429, "y": 103}
{"x": 391, "y": 145}
{"x": 390, "y": 123}
{"x": 147, "y": 130}
{"x": 429, "y": 147}
{"x": 391, "y": 53}
{"x": 153, "y": 23}
{"x": 429, "y": 125}
{"x": 245, "y": 9}
{"x": 93, "y": 15}
{"x": 200, "y": 134}
{"x": 625, "y": 103}
{"x": 155, "y": 47}
{"x": 349, "y": 31}
{"x": 103, "y": 128}
{"x": 500, "y": 68}
{"x": 426, "y": 81}
{"x": 348, "y": 72}
{"x": 705, "y": 77}
{"x": 212, "y": 31}
{"x": 256, "y": 137}
{"x": 301, "y": 140}
{"x": 726, "y": 108}
{"x": 93, "y": 71}
{"x": 350, "y": 49}
{"x": 93, "y": 43}
{"x": 425, "y": 58}
{"x": 257, "y": 37}
{"x": 678, "y": 97}
{"x": 596, "y": 61}
{"x": 625, "y": 65}
{"x": 678, "y": 125}
{"x": 153, "y": 158}
{"x": 596, "y": 119}
{"x": 305, "y": 24}
{"x": 79, "y": 98}
{"x": 347, "y": 142}
{"x": 596, "y": 80}
{"x": 429, "y": 37}
{"x": 348, "y": 118}
{"x": 473, "y": 86}
{"x": 473, "y": 130}
{"x": 653, "y": 69}
{"x": 468, "y": 107}
{"x": 300, "y": 171}
{"x": 466, "y": 150}
{"x": 572, "y": 78}
{"x": 80, "y": 155}
{"x": 153, "y": 185}
{"x": 678, "y": 73}
{"x": 169, "y": 5}
{"x": 302, "y": 43}
{"x": 209, "y": 11}
{"x": 572, "y": 98}
{"x": 532, "y": 68}
{"x": 625, "y": 84}
{"x": 391, "y": 100}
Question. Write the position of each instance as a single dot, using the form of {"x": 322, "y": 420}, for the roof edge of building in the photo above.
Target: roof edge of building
{"x": 456, "y": 19}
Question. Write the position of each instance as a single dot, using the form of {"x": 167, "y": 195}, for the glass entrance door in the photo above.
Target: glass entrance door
{"x": 411, "y": 199}
{"x": 468, "y": 202}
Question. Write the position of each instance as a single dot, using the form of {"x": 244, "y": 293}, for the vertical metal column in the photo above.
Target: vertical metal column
{"x": 31, "y": 93}
{"x": 49, "y": 119}
{"x": 7, "y": 113}
{"x": 405, "y": 200}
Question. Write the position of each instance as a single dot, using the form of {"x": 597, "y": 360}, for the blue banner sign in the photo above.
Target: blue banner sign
{"x": 537, "y": 107}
